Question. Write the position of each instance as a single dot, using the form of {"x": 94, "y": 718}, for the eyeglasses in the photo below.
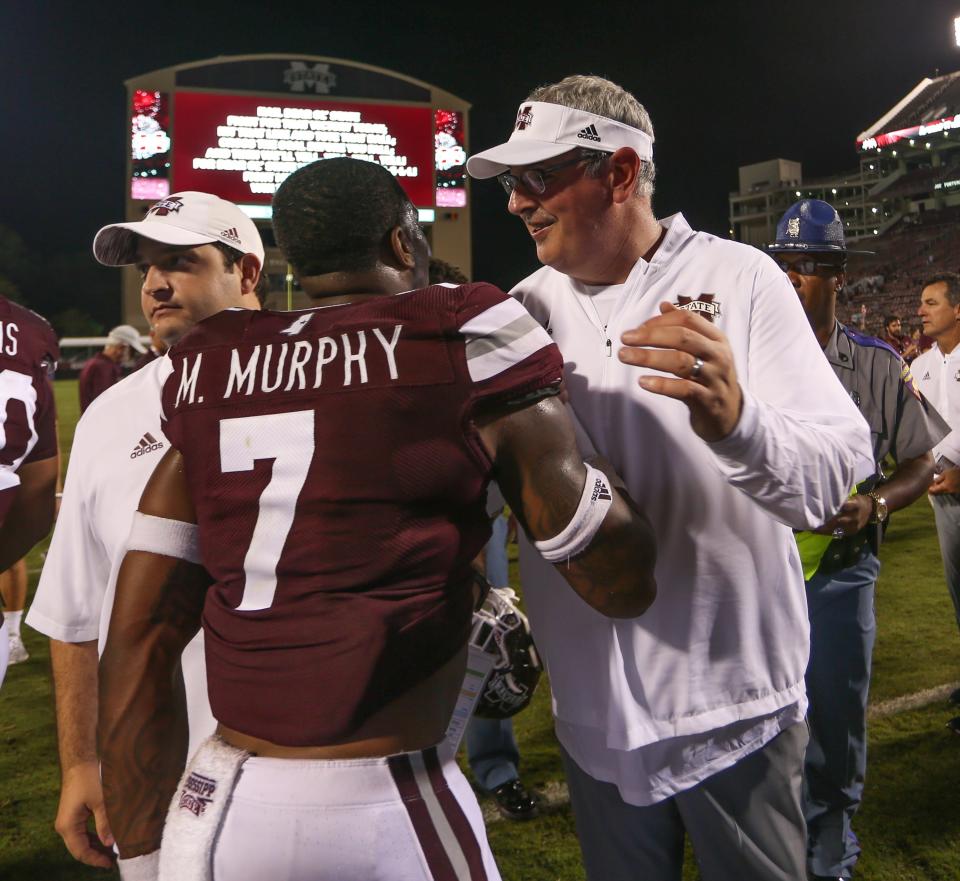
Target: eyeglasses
{"x": 535, "y": 179}
{"x": 807, "y": 266}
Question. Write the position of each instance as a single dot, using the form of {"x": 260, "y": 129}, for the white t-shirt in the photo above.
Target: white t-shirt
{"x": 118, "y": 443}
{"x": 714, "y": 669}
{"x": 938, "y": 378}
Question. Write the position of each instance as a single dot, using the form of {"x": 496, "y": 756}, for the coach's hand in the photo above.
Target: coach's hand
{"x": 946, "y": 483}
{"x": 80, "y": 796}
{"x": 853, "y": 516}
{"x": 698, "y": 354}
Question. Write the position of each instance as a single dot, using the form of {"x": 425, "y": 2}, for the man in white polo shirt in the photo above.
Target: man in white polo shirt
{"x": 729, "y": 432}
{"x": 937, "y": 373}
{"x": 197, "y": 255}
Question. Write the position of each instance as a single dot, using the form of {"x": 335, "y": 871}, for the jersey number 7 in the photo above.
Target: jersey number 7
{"x": 288, "y": 439}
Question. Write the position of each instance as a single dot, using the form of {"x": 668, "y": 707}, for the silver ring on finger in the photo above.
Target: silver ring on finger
{"x": 838, "y": 533}
{"x": 696, "y": 369}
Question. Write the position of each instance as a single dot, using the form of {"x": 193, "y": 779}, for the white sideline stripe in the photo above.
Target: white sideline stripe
{"x": 911, "y": 701}
{"x": 555, "y": 794}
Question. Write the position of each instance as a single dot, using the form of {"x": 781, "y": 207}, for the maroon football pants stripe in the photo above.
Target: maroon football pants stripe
{"x": 455, "y": 816}
{"x": 431, "y": 842}
{"x": 433, "y": 849}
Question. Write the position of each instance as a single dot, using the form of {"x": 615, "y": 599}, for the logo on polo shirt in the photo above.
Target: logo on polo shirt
{"x": 148, "y": 444}
{"x": 705, "y": 305}
{"x": 524, "y": 117}
{"x": 589, "y": 133}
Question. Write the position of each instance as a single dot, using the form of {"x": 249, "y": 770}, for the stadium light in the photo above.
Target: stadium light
{"x": 956, "y": 30}
{"x": 798, "y": 194}
{"x": 834, "y": 191}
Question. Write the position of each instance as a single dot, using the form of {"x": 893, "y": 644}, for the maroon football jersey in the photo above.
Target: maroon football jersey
{"x": 28, "y": 416}
{"x": 339, "y": 485}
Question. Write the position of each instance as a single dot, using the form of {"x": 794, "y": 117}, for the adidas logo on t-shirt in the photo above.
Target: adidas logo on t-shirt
{"x": 148, "y": 443}
{"x": 231, "y": 234}
{"x": 589, "y": 133}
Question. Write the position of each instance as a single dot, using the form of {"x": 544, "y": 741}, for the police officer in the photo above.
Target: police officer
{"x": 811, "y": 250}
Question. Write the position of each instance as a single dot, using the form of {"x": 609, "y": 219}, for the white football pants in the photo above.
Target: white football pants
{"x": 408, "y": 817}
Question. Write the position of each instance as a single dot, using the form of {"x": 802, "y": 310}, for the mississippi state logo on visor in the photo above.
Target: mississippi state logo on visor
{"x": 167, "y": 206}
{"x": 704, "y": 305}
{"x": 524, "y": 117}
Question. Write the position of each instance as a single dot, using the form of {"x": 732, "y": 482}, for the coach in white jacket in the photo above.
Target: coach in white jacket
{"x": 692, "y": 368}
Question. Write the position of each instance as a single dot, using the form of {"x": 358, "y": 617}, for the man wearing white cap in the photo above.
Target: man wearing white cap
{"x": 103, "y": 369}
{"x": 197, "y": 255}
{"x": 730, "y": 433}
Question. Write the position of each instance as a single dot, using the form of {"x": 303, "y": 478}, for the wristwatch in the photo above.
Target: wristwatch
{"x": 880, "y": 510}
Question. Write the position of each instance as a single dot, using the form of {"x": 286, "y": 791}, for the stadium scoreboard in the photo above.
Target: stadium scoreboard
{"x": 237, "y": 127}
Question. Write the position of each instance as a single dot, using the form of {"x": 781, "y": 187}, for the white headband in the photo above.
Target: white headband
{"x": 543, "y": 131}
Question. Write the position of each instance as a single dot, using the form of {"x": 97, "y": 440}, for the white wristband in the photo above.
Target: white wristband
{"x": 579, "y": 532}
{"x": 158, "y": 535}
{"x": 142, "y": 868}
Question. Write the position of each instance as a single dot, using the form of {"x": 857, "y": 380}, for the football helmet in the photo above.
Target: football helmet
{"x": 501, "y": 629}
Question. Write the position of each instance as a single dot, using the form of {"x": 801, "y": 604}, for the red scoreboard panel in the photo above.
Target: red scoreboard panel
{"x": 241, "y": 147}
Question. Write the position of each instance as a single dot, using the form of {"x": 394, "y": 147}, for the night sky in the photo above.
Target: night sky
{"x": 726, "y": 83}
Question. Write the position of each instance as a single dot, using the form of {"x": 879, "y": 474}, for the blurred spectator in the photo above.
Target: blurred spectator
{"x": 103, "y": 369}
{"x": 894, "y": 337}
{"x": 156, "y": 350}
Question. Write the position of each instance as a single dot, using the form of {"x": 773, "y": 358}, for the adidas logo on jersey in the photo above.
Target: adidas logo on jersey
{"x": 926, "y": 375}
{"x": 231, "y": 235}
{"x": 600, "y": 491}
{"x": 148, "y": 443}
{"x": 589, "y": 133}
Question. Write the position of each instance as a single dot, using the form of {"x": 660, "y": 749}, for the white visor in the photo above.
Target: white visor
{"x": 543, "y": 131}
{"x": 187, "y": 219}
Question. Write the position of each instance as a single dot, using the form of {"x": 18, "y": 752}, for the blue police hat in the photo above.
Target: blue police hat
{"x": 811, "y": 225}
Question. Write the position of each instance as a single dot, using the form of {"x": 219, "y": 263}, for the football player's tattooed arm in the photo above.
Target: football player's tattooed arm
{"x": 142, "y": 730}
{"x": 541, "y": 473}
{"x": 31, "y": 515}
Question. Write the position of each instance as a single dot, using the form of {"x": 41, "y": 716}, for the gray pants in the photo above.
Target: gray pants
{"x": 745, "y": 823}
{"x": 946, "y": 510}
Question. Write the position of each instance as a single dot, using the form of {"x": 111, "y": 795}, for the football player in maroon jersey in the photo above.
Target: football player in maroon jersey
{"x": 29, "y": 458}
{"x": 329, "y": 469}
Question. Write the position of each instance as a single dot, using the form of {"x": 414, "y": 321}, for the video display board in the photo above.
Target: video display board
{"x": 242, "y": 147}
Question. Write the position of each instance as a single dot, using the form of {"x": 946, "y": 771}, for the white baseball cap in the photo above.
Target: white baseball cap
{"x": 125, "y": 335}
{"x": 543, "y": 131}
{"x": 189, "y": 219}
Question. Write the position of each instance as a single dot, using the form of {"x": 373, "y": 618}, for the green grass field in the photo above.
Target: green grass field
{"x": 909, "y": 826}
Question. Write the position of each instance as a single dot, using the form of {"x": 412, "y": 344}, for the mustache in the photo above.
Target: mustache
{"x": 537, "y": 217}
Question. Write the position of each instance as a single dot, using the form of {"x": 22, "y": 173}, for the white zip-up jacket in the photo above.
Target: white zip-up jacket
{"x": 938, "y": 378}
{"x": 715, "y": 668}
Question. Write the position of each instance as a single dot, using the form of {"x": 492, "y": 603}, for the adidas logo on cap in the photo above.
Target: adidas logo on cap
{"x": 231, "y": 235}
{"x": 589, "y": 133}
{"x": 148, "y": 443}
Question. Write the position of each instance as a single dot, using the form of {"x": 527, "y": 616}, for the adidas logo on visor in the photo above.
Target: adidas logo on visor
{"x": 231, "y": 234}
{"x": 589, "y": 133}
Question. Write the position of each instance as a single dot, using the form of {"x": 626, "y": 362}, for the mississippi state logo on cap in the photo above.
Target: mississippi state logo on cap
{"x": 166, "y": 206}
{"x": 524, "y": 117}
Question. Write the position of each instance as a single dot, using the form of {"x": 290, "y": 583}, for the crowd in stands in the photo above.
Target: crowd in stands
{"x": 889, "y": 282}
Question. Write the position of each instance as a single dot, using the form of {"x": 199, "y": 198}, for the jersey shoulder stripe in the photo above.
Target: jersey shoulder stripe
{"x": 500, "y": 337}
